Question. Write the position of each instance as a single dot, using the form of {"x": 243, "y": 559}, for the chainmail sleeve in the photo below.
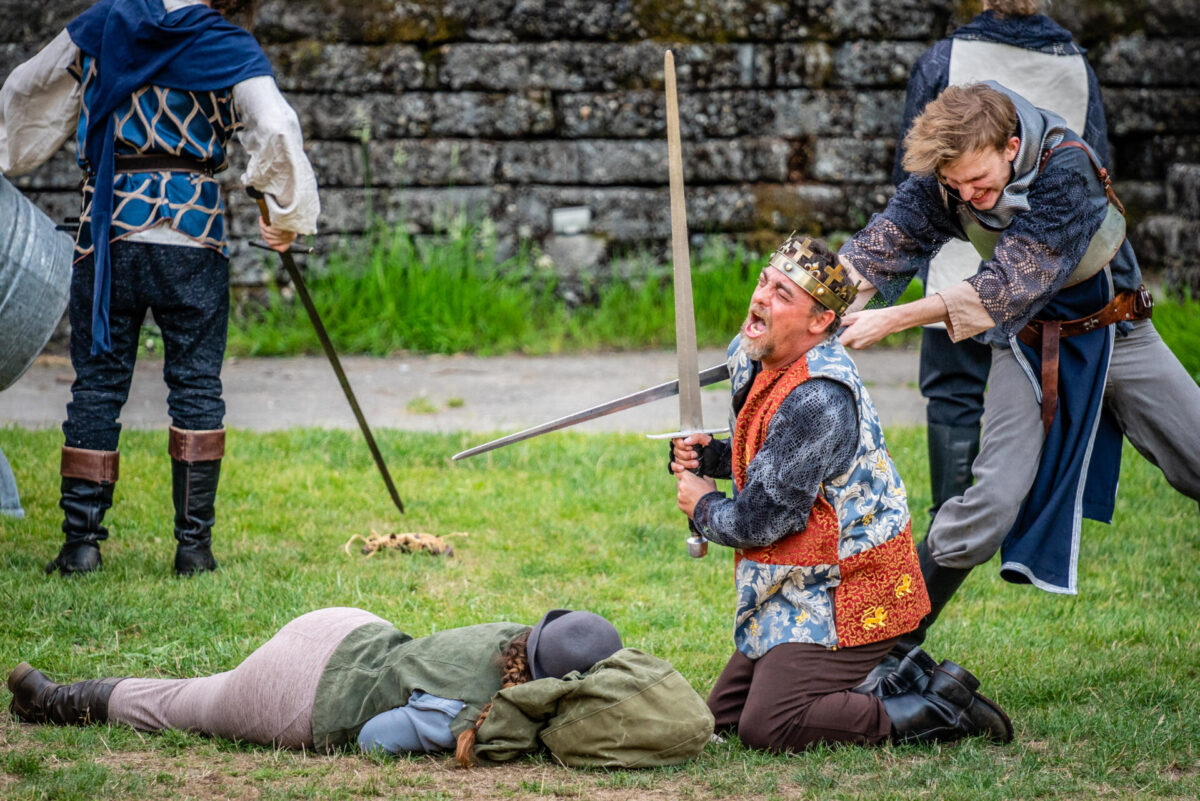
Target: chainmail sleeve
{"x": 812, "y": 437}
{"x": 1037, "y": 252}
{"x": 901, "y": 240}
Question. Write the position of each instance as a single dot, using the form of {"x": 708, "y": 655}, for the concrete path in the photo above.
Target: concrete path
{"x": 440, "y": 393}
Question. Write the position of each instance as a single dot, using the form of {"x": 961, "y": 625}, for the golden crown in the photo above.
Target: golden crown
{"x": 815, "y": 272}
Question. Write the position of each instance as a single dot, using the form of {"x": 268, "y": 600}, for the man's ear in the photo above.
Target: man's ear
{"x": 818, "y": 324}
{"x": 1011, "y": 148}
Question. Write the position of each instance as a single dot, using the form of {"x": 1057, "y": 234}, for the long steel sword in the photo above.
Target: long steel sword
{"x": 297, "y": 277}
{"x": 711, "y": 375}
{"x": 691, "y": 412}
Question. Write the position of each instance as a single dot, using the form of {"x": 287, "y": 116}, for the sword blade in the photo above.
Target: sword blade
{"x": 709, "y": 376}
{"x": 691, "y": 415}
{"x": 314, "y": 317}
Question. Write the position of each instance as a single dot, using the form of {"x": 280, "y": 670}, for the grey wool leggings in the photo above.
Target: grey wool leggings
{"x": 267, "y": 699}
{"x": 1151, "y": 396}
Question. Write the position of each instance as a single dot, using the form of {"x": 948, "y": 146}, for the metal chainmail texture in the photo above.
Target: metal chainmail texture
{"x": 812, "y": 437}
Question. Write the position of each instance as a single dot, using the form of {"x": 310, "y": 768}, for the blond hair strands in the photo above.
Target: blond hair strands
{"x": 961, "y": 120}
{"x": 514, "y": 667}
{"x": 1012, "y": 8}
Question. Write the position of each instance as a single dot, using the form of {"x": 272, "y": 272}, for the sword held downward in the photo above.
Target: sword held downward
{"x": 289, "y": 264}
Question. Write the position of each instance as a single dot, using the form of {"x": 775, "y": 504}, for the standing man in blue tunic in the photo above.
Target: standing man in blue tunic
{"x": 1031, "y": 54}
{"x": 1076, "y": 361}
{"x": 153, "y": 90}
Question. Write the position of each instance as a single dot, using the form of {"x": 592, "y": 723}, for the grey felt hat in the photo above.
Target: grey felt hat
{"x": 565, "y": 640}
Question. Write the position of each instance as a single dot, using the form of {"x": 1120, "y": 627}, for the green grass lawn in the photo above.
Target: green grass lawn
{"x": 1103, "y": 688}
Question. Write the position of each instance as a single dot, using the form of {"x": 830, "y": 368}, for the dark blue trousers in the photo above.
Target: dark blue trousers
{"x": 188, "y": 290}
{"x": 953, "y": 378}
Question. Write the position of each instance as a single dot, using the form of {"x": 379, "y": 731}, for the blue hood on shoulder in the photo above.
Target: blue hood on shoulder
{"x": 1035, "y": 32}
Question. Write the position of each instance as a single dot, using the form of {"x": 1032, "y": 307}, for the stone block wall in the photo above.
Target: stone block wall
{"x": 516, "y": 109}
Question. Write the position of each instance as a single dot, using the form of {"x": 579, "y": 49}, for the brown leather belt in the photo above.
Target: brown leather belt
{"x": 1045, "y": 334}
{"x": 162, "y": 162}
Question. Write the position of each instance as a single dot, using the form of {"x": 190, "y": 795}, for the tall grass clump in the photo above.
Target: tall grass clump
{"x": 453, "y": 292}
{"x": 390, "y": 291}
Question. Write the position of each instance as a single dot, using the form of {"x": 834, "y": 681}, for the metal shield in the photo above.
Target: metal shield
{"x": 35, "y": 279}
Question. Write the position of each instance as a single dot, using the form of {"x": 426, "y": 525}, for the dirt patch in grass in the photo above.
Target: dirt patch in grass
{"x": 210, "y": 773}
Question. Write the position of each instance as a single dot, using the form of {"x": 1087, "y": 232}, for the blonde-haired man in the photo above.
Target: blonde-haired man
{"x": 1028, "y": 52}
{"x": 1076, "y": 361}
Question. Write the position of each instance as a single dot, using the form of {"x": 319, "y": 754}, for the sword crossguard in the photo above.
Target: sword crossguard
{"x": 682, "y": 434}
{"x": 303, "y": 251}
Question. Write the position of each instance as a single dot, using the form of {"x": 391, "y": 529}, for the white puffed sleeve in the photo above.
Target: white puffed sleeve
{"x": 39, "y": 107}
{"x": 278, "y": 166}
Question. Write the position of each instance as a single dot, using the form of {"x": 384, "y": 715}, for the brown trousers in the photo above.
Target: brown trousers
{"x": 798, "y": 694}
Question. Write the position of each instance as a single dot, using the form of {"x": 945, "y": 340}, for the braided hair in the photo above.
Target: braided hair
{"x": 514, "y": 667}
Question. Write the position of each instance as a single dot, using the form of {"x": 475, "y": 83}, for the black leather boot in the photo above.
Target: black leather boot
{"x": 949, "y": 709}
{"x": 952, "y": 451}
{"x": 941, "y": 583}
{"x": 88, "y": 478}
{"x": 195, "y": 472}
{"x": 910, "y": 674}
{"x": 36, "y": 699}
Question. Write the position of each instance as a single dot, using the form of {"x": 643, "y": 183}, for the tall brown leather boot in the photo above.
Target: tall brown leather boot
{"x": 88, "y": 478}
{"x": 195, "y": 472}
{"x": 36, "y": 699}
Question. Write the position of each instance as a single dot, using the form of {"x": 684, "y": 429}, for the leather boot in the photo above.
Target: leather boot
{"x": 36, "y": 699}
{"x": 941, "y": 583}
{"x": 949, "y": 709}
{"x": 195, "y": 471}
{"x": 910, "y": 674}
{"x": 88, "y": 478}
{"x": 952, "y": 451}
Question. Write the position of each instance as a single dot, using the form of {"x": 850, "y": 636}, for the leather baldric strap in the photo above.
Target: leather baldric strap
{"x": 1101, "y": 173}
{"x": 196, "y": 446}
{"x": 99, "y": 466}
{"x": 1045, "y": 335}
{"x": 162, "y": 162}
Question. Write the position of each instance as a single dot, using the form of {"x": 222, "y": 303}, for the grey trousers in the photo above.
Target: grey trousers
{"x": 267, "y": 699}
{"x": 1150, "y": 394}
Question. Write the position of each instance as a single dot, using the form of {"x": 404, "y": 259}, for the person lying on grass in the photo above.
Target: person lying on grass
{"x": 825, "y": 567}
{"x": 337, "y": 676}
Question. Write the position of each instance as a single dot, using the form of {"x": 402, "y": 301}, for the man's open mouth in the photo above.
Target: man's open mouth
{"x": 755, "y": 325}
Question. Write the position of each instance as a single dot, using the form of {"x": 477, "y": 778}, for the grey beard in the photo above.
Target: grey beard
{"x": 757, "y": 350}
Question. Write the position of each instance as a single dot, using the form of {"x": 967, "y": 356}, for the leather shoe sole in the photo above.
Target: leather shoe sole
{"x": 990, "y": 719}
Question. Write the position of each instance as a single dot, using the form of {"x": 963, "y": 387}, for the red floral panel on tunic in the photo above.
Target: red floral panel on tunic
{"x": 882, "y": 593}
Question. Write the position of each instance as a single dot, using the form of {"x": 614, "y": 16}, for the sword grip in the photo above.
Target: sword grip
{"x": 261, "y": 199}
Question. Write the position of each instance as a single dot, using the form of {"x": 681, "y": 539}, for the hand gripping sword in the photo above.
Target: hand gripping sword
{"x": 297, "y": 277}
{"x": 691, "y": 413}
